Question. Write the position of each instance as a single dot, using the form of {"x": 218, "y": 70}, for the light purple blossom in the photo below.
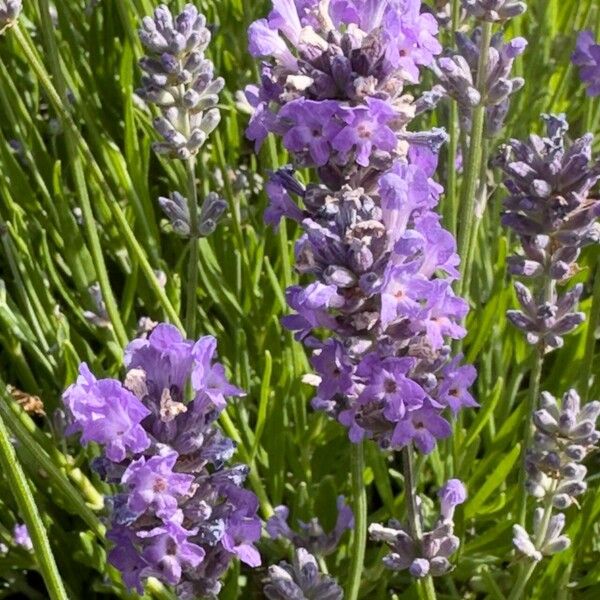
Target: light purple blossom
{"x": 180, "y": 514}
{"x": 106, "y": 413}
{"x": 451, "y": 494}
{"x": 587, "y": 58}
{"x": 379, "y": 313}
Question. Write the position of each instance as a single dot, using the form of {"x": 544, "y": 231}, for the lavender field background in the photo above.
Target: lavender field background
{"x": 91, "y": 259}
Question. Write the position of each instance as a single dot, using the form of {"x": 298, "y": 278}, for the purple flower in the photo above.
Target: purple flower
{"x": 379, "y": 312}
{"x": 454, "y": 389}
{"x": 208, "y": 378}
{"x": 106, "y": 413}
{"x": 423, "y": 427}
{"x": 280, "y": 204}
{"x": 389, "y": 383}
{"x": 587, "y": 57}
{"x": 366, "y": 130}
{"x": 310, "y": 127}
{"x": 300, "y": 580}
{"x": 21, "y": 537}
{"x": 9, "y": 12}
{"x": 179, "y": 79}
{"x": 451, "y": 494}
{"x": 180, "y": 512}
{"x": 154, "y": 487}
{"x": 168, "y": 551}
{"x": 549, "y": 180}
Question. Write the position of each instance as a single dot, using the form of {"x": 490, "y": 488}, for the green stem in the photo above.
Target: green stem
{"x": 469, "y": 184}
{"x": 192, "y": 282}
{"x": 89, "y": 221}
{"x": 413, "y": 515}
{"x": 451, "y": 205}
{"x": 534, "y": 392}
{"x": 479, "y": 209}
{"x": 359, "y": 494}
{"x": 253, "y": 477}
{"x": 20, "y": 488}
{"x": 590, "y": 343}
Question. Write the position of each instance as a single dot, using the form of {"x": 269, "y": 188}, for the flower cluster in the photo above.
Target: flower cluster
{"x": 311, "y": 536}
{"x": 180, "y": 80}
{"x": 382, "y": 263}
{"x": 457, "y": 74}
{"x": 9, "y": 13}
{"x": 587, "y": 58}
{"x": 494, "y": 10}
{"x": 549, "y": 208}
{"x": 429, "y": 554}
{"x": 180, "y": 514}
{"x": 564, "y": 436}
{"x": 301, "y": 580}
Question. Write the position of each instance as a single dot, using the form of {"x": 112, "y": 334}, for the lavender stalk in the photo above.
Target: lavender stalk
{"x": 333, "y": 86}
{"x": 471, "y": 178}
{"x": 549, "y": 180}
{"x": 179, "y": 80}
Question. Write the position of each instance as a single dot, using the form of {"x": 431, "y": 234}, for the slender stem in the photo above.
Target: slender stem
{"x": 534, "y": 392}
{"x": 359, "y": 494}
{"x": 253, "y": 477}
{"x": 469, "y": 184}
{"x": 20, "y": 488}
{"x": 479, "y": 210}
{"x": 547, "y": 296}
{"x": 192, "y": 282}
{"x": 590, "y": 343}
{"x": 413, "y": 514}
{"x": 451, "y": 205}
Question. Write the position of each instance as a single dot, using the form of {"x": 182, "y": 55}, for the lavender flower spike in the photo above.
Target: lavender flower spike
{"x": 180, "y": 513}
{"x": 549, "y": 208}
{"x": 300, "y": 581}
{"x": 494, "y": 10}
{"x": 334, "y": 85}
{"x": 587, "y": 58}
{"x": 179, "y": 80}
{"x": 9, "y": 13}
{"x": 430, "y": 554}
{"x": 564, "y": 435}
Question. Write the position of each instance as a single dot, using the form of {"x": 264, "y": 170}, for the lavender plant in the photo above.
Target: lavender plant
{"x": 354, "y": 95}
{"x": 428, "y": 553}
{"x": 180, "y": 515}
{"x": 549, "y": 208}
{"x": 478, "y": 77}
{"x": 334, "y": 90}
{"x": 180, "y": 81}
